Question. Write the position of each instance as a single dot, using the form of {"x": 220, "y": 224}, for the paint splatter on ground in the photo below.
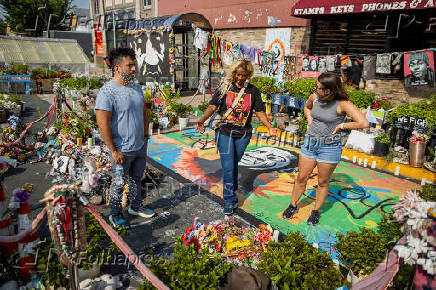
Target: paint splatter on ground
{"x": 358, "y": 196}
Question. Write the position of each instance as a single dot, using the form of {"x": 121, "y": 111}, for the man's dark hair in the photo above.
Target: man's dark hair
{"x": 116, "y": 55}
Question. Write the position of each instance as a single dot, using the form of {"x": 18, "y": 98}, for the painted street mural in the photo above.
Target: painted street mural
{"x": 358, "y": 196}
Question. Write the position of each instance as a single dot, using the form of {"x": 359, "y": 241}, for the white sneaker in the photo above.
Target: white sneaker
{"x": 142, "y": 212}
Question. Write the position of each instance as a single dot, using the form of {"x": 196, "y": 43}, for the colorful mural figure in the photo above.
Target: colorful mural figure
{"x": 358, "y": 196}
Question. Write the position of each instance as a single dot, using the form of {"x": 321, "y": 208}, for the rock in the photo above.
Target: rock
{"x": 86, "y": 284}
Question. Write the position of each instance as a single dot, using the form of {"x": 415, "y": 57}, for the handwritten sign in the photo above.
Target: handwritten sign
{"x": 411, "y": 123}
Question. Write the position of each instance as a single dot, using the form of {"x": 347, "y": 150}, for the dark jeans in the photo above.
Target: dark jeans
{"x": 231, "y": 150}
{"x": 133, "y": 166}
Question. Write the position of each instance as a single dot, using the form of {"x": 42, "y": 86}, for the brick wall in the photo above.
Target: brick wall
{"x": 397, "y": 93}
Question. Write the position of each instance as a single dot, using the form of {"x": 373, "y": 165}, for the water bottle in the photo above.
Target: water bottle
{"x": 117, "y": 177}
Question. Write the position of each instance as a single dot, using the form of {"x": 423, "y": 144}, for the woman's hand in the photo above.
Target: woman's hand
{"x": 339, "y": 128}
{"x": 273, "y": 132}
{"x": 199, "y": 127}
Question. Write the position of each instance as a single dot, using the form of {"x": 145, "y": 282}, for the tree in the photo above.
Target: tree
{"x": 21, "y": 15}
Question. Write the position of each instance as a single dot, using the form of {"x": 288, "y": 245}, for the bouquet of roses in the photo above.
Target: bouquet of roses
{"x": 418, "y": 137}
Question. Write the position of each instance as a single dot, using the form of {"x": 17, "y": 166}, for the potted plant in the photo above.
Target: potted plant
{"x": 182, "y": 111}
{"x": 417, "y": 145}
{"x": 381, "y": 147}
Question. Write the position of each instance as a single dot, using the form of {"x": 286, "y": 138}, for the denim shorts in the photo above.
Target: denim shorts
{"x": 322, "y": 149}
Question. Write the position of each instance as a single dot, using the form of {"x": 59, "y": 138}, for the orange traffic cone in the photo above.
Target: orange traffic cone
{"x": 6, "y": 227}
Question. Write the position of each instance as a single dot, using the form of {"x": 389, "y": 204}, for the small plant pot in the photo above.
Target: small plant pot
{"x": 381, "y": 149}
{"x": 183, "y": 122}
{"x": 416, "y": 154}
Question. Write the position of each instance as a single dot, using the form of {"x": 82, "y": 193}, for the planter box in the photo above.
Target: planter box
{"x": 381, "y": 149}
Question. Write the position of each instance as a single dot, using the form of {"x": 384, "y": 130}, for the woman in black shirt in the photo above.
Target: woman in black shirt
{"x": 233, "y": 132}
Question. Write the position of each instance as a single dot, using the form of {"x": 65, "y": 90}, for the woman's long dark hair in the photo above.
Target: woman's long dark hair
{"x": 332, "y": 82}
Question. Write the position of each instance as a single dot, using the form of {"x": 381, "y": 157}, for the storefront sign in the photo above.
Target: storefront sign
{"x": 411, "y": 123}
{"x": 355, "y": 6}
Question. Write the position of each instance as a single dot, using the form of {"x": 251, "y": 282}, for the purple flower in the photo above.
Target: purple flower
{"x": 21, "y": 196}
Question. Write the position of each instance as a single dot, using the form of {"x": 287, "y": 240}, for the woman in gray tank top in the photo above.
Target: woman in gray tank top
{"x": 325, "y": 111}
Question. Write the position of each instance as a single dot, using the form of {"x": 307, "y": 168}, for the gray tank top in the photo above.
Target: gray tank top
{"x": 325, "y": 118}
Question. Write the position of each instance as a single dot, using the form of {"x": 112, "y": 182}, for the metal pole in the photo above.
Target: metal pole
{"x": 113, "y": 23}
{"x": 46, "y": 18}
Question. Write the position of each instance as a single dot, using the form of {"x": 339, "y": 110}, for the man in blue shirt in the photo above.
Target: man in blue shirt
{"x": 122, "y": 118}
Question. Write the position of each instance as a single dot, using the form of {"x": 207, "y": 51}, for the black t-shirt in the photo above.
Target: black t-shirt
{"x": 354, "y": 74}
{"x": 238, "y": 123}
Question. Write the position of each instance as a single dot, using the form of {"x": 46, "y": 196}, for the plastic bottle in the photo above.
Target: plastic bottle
{"x": 117, "y": 177}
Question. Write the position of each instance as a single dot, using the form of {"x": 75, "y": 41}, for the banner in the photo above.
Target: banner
{"x": 419, "y": 68}
{"x": 98, "y": 40}
{"x": 152, "y": 55}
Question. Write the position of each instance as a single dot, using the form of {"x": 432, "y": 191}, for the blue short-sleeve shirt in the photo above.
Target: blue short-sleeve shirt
{"x": 126, "y": 104}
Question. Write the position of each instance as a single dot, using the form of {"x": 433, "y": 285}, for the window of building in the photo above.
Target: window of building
{"x": 147, "y": 3}
{"x": 96, "y": 8}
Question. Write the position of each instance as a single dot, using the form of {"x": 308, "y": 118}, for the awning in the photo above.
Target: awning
{"x": 169, "y": 21}
{"x": 309, "y": 8}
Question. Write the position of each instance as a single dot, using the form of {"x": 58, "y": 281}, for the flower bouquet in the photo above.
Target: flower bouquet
{"x": 239, "y": 245}
{"x": 417, "y": 137}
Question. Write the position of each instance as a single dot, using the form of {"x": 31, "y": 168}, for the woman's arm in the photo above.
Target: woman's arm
{"x": 308, "y": 108}
{"x": 200, "y": 122}
{"x": 349, "y": 109}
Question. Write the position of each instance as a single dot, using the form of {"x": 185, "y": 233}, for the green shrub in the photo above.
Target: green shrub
{"x": 48, "y": 265}
{"x": 265, "y": 84}
{"x": 302, "y": 125}
{"x": 100, "y": 247}
{"x": 389, "y": 229}
{"x": 404, "y": 277}
{"x": 362, "y": 251}
{"x": 428, "y": 192}
{"x": 383, "y": 138}
{"x": 180, "y": 110}
{"x": 79, "y": 83}
{"x": 362, "y": 99}
{"x": 296, "y": 264}
{"x": 203, "y": 106}
{"x": 424, "y": 109}
{"x": 16, "y": 99}
{"x": 301, "y": 88}
{"x": 189, "y": 270}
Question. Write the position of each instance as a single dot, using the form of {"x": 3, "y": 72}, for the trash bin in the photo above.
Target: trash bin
{"x": 416, "y": 154}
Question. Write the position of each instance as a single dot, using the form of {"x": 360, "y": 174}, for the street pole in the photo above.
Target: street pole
{"x": 46, "y": 18}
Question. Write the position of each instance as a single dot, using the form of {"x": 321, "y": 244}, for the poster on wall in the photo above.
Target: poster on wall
{"x": 98, "y": 40}
{"x": 419, "y": 68}
{"x": 152, "y": 55}
{"x": 309, "y": 66}
{"x": 278, "y": 43}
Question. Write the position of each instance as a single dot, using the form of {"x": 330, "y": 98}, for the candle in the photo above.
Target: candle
{"x": 360, "y": 161}
{"x": 365, "y": 162}
{"x": 397, "y": 170}
{"x": 79, "y": 142}
{"x": 373, "y": 164}
{"x": 354, "y": 159}
{"x": 90, "y": 143}
{"x": 423, "y": 181}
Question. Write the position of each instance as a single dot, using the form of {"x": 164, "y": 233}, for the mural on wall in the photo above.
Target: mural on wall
{"x": 152, "y": 55}
{"x": 267, "y": 172}
{"x": 278, "y": 43}
{"x": 419, "y": 68}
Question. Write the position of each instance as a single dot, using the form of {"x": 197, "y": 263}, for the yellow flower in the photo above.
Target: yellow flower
{"x": 234, "y": 242}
